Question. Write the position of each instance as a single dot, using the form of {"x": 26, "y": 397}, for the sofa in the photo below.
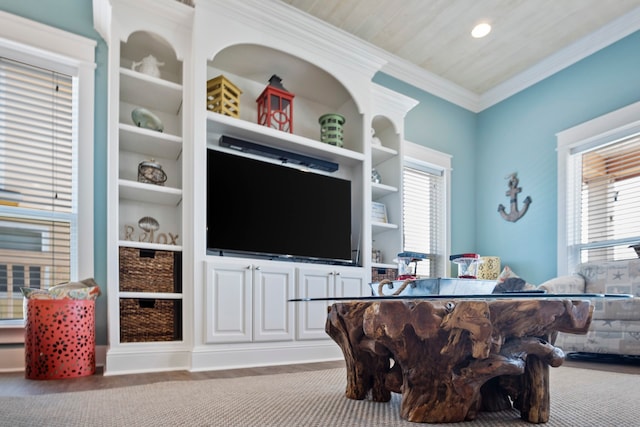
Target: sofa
{"x": 615, "y": 326}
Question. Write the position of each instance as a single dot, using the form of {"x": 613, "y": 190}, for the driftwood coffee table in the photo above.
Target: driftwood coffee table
{"x": 451, "y": 357}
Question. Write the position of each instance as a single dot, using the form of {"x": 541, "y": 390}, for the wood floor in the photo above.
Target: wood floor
{"x": 14, "y": 384}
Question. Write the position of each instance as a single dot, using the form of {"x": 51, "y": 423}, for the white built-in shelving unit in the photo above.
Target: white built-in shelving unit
{"x": 234, "y": 311}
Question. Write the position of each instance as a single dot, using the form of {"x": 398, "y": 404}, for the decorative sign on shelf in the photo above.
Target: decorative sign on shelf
{"x": 379, "y": 212}
{"x": 149, "y": 225}
{"x": 512, "y": 193}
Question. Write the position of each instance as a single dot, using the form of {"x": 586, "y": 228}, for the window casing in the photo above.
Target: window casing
{"x": 425, "y": 210}
{"x": 599, "y": 189}
{"x": 48, "y": 208}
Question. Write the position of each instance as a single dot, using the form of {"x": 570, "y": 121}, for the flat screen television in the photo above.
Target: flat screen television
{"x": 267, "y": 209}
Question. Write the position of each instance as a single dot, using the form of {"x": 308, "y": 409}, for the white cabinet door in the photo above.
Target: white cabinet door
{"x": 273, "y": 315}
{"x": 228, "y": 303}
{"x": 312, "y": 315}
{"x": 351, "y": 283}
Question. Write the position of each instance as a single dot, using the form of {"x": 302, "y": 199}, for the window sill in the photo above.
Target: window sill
{"x": 12, "y": 332}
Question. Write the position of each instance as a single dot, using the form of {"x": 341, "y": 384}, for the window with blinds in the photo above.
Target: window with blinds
{"x": 605, "y": 222}
{"x": 38, "y": 213}
{"x": 422, "y": 215}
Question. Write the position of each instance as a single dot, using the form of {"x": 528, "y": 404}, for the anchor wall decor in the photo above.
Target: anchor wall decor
{"x": 514, "y": 214}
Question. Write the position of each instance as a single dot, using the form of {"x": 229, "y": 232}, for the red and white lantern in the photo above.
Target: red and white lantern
{"x": 275, "y": 106}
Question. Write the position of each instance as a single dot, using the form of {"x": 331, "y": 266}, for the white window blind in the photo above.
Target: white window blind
{"x": 605, "y": 221}
{"x": 423, "y": 207}
{"x": 38, "y": 213}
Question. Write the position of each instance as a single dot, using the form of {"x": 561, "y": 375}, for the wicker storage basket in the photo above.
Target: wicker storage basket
{"x": 147, "y": 320}
{"x": 379, "y": 274}
{"x": 148, "y": 270}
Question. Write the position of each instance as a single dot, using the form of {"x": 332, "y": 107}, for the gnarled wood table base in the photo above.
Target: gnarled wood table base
{"x": 451, "y": 359}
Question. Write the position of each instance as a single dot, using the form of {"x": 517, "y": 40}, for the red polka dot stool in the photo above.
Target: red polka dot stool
{"x": 59, "y": 339}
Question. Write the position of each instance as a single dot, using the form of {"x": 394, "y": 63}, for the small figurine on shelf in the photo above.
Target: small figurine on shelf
{"x": 145, "y": 119}
{"x": 375, "y": 141}
{"x": 149, "y": 225}
{"x": 375, "y": 176}
{"x": 149, "y": 65}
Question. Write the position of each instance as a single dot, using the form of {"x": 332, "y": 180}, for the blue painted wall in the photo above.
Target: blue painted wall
{"x": 76, "y": 16}
{"x": 518, "y": 135}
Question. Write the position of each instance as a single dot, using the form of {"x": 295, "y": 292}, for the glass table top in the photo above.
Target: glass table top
{"x": 507, "y": 295}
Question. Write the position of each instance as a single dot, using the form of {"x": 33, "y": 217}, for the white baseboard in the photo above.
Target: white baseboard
{"x": 203, "y": 358}
{"x": 208, "y": 358}
{"x": 12, "y": 358}
{"x": 135, "y": 360}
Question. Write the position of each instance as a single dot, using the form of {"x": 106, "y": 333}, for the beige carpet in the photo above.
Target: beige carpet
{"x": 579, "y": 397}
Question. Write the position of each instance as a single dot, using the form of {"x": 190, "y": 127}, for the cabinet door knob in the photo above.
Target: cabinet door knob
{"x": 258, "y": 268}
{"x": 337, "y": 273}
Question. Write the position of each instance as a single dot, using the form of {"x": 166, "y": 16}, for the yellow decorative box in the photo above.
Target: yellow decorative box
{"x": 489, "y": 268}
{"x": 223, "y": 97}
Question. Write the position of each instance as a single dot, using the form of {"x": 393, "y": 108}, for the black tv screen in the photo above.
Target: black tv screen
{"x": 274, "y": 210}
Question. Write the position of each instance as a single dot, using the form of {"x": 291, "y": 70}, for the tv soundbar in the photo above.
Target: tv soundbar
{"x": 277, "y": 154}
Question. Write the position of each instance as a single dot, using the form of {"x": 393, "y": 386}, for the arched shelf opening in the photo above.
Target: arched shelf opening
{"x": 141, "y": 44}
{"x": 250, "y": 66}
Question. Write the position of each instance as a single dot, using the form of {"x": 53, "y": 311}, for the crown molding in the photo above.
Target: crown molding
{"x": 586, "y": 46}
{"x": 300, "y": 29}
{"x": 397, "y": 102}
{"x": 410, "y": 73}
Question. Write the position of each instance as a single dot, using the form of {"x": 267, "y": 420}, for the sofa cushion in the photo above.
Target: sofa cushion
{"x": 604, "y": 336}
{"x": 615, "y": 277}
{"x": 506, "y": 274}
{"x": 622, "y": 309}
{"x": 572, "y": 284}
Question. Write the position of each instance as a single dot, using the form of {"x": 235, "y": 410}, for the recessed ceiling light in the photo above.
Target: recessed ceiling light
{"x": 481, "y": 30}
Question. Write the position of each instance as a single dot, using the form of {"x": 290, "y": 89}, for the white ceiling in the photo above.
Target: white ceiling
{"x": 434, "y": 35}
